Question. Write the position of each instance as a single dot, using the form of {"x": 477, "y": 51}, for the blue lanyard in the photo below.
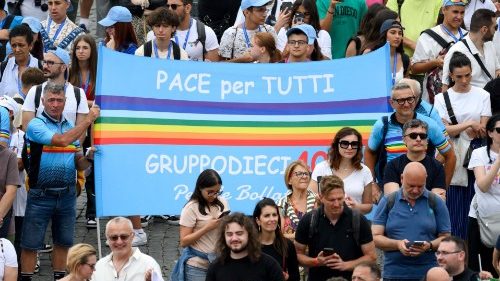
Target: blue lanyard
{"x": 58, "y": 29}
{"x": 395, "y": 64}
{"x": 247, "y": 39}
{"x": 155, "y": 48}
{"x": 86, "y": 85}
{"x": 187, "y": 36}
{"x": 451, "y": 34}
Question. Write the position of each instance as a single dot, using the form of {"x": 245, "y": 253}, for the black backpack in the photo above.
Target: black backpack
{"x": 148, "y": 50}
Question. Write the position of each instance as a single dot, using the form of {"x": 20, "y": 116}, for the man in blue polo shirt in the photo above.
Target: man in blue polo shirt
{"x": 54, "y": 156}
{"x": 382, "y": 149}
{"x": 409, "y": 225}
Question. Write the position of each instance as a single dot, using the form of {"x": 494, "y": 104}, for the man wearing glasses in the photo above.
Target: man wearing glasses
{"x": 415, "y": 138}
{"x": 300, "y": 43}
{"x": 124, "y": 262}
{"x": 386, "y": 140}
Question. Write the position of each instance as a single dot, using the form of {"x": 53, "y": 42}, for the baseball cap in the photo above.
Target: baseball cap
{"x": 390, "y": 23}
{"x": 454, "y": 3}
{"x": 10, "y": 104}
{"x": 245, "y": 4}
{"x": 116, "y": 14}
{"x": 307, "y": 29}
{"x": 33, "y": 23}
{"x": 61, "y": 54}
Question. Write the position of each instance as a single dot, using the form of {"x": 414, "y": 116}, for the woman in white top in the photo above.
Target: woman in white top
{"x": 8, "y": 261}
{"x": 344, "y": 161}
{"x": 199, "y": 220}
{"x": 485, "y": 163}
{"x": 305, "y": 11}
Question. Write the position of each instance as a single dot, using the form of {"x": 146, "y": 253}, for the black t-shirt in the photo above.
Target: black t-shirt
{"x": 265, "y": 269}
{"x": 291, "y": 262}
{"x": 435, "y": 171}
{"x": 218, "y": 14}
{"x": 466, "y": 275}
{"x": 338, "y": 236}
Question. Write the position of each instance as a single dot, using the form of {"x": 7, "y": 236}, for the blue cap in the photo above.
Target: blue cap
{"x": 390, "y": 23}
{"x": 447, "y": 3}
{"x": 307, "y": 29}
{"x": 61, "y": 54}
{"x": 116, "y": 14}
{"x": 245, "y": 4}
{"x": 33, "y": 23}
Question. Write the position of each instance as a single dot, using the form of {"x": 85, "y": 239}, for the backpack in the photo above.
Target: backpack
{"x": 3, "y": 43}
{"x": 391, "y": 199}
{"x": 3, "y": 65}
{"x": 202, "y": 36}
{"x": 356, "y": 224}
{"x": 382, "y": 153}
{"x": 148, "y": 50}
{"x": 434, "y": 84}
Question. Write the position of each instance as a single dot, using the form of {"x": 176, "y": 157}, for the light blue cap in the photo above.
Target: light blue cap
{"x": 245, "y": 4}
{"x": 33, "y": 23}
{"x": 307, "y": 29}
{"x": 61, "y": 54}
{"x": 116, "y": 14}
{"x": 447, "y": 3}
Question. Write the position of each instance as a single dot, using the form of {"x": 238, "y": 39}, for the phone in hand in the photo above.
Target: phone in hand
{"x": 418, "y": 244}
{"x": 328, "y": 252}
{"x": 223, "y": 214}
{"x": 286, "y": 6}
{"x": 298, "y": 18}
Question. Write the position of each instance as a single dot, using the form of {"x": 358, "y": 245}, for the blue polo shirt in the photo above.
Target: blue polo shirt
{"x": 51, "y": 167}
{"x": 417, "y": 223}
{"x": 4, "y": 125}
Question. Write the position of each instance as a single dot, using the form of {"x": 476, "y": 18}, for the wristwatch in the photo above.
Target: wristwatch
{"x": 430, "y": 247}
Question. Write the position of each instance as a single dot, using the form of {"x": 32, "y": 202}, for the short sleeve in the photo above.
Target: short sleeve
{"x": 380, "y": 217}
{"x": 322, "y": 7}
{"x": 211, "y": 42}
{"x": 9, "y": 253}
{"x": 302, "y": 232}
{"x": 29, "y": 101}
{"x": 476, "y": 159}
{"x": 438, "y": 138}
{"x": 443, "y": 224}
{"x": 486, "y": 110}
{"x": 375, "y": 139}
{"x": 226, "y": 42}
{"x": 446, "y": 66}
{"x": 391, "y": 172}
{"x": 4, "y": 125}
{"x": 12, "y": 170}
{"x": 188, "y": 215}
{"x": 422, "y": 53}
{"x": 365, "y": 232}
{"x": 325, "y": 43}
{"x": 38, "y": 132}
{"x": 83, "y": 107}
{"x": 282, "y": 39}
{"x": 439, "y": 179}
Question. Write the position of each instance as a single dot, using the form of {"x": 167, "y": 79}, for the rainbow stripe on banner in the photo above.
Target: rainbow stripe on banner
{"x": 161, "y": 126}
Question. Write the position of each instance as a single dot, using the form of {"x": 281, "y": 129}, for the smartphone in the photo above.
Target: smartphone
{"x": 328, "y": 252}
{"x": 298, "y": 18}
{"x": 286, "y": 6}
{"x": 418, "y": 243}
{"x": 225, "y": 213}
{"x": 409, "y": 244}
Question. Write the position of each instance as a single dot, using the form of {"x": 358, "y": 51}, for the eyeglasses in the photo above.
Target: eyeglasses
{"x": 413, "y": 136}
{"x": 123, "y": 237}
{"x": 444, "y": 253}
{"x": 173, "y": 6}
{"x": 214, "y": 193}
{"x": 345, "y": 144}
{"x": 51, "y": 62}
{"x": 92, "y": 266}
{"x": 409, "y": 100}
{"x": 498, "y": 130}
{"x": 302, "y": 174}
{"x": 295, "y": 42}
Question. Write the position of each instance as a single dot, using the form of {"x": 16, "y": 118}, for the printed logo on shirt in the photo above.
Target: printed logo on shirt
{"x": 346, "y": 11}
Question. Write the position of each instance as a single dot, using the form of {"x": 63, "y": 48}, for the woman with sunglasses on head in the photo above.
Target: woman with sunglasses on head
{"x": 267, "y": 221}
{"x": 298, "y": 200}
{"x": 199, "y": 220}
{"x": 80, "y": 263}
{"x": 344, "y": 161}
{"x": 120, "y": 34}
{"x": 485, "y": 162}
{"x": 471, "y": 108}
{"x": 305, "y": 11}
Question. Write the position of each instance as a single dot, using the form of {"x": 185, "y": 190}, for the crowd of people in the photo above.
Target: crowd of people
{"x": 420, "y": 201}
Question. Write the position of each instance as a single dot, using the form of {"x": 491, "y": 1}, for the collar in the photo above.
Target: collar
{"x": 472, "y": 46}
{"x": 135, "y": 256}
{"x": 396, "y": 122}
{"x": 47, "y": 116}
{"x": 345, "y": 211}
{"x": 424, "y": 195}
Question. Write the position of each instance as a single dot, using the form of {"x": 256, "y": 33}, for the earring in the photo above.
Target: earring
{"x": 259, "y": 228}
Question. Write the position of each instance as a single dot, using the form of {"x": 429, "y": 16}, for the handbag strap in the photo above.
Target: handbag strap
{"x": 451, "y": 114}
{"x": 478, "y": 59}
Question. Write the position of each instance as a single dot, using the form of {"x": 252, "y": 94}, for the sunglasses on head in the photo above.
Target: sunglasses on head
{"x": 413, "y": 136}
{"x": 345, "y": 144}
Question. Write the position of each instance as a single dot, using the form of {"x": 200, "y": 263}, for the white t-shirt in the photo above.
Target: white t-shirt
{"x": 473, "y": 6}
{"x": 324, "y": 42}
{"x": 488, "y": 203}
{"x": 163, "y": 54}
{"x": 354, "y": 184}
{"x": 496, "y": 40}
{"x": 19, "y": 205}
{"x": 233, "y": 43}
{"x": 7, "y": 256}
{"x": 193, "y": 46}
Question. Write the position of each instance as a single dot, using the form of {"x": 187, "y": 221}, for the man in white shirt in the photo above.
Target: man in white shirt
{"x": 477, "y": 44}
{"x": 475, "y": 5}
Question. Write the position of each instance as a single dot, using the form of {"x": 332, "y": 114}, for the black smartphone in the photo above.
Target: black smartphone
{"x": 286, "y": 6}
{"x": 409, "y": 244}
{"x": 225, "y": 213}
{"x": 328, "y": 252}
{"x": 418, "y": 243}
{"x": 298, "y": 18}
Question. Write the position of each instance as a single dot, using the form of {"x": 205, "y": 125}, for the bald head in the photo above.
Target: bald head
{"x": 415, "y": 169}
{"x": 437, "y": 274}
{"x": 413, "y": 180}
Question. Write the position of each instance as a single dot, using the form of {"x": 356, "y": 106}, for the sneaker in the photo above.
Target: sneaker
{"x": 145, "y": 220}
{"x": 140, "y": 239}
{"x": 37, "y": 266}
{"x": 91, "y": 223}
{"x": 47, "y": 248}
{"x": 173, "y": 220}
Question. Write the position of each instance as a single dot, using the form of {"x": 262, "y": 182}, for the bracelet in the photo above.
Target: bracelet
{"x": 316, "y": 261}
{"x": 329, "y": 12}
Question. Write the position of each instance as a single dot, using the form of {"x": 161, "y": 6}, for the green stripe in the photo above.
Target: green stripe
{"x": 154, "y": 121}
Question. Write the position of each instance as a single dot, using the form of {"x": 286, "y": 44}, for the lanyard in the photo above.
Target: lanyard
{"x": 247, "y": 39}
{"x": 155, "y": 48}
{"x": 451, "y": 34}
{"x": 86, "y": 85}
{"x": 187, "y": 36}
{"x": 58, "y": 29}
{"x": 395, "y": 64}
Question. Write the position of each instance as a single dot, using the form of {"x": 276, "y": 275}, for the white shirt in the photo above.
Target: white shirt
{"x": 233, "y": 43}
{"x": 324, "y": 42}
{"x": 354, "y": 184}
{"x": 7, "y": 256}
{"x": 11, "y": 82}
{"x": 70, "y": 110}
{"x": 193, "y": 47}
{"x": 163, "y": 54}
{"x": 16, "y": 145}
{"x": 489, "y": 59}
{"x": 473, "y": 6}
{"x": 133, "y": 270}
{"x": 496, "y": 40}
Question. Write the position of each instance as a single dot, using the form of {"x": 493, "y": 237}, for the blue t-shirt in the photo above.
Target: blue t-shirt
{"x": 4, "y": 125}
{"x": 393, "y": 141}
{"x": 56, "y": 166}
{"x": 418, "y": 223}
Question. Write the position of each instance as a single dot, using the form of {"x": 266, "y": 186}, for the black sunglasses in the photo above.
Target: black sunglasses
{"x": 173, "y": 6}
{"x": 498, "y": 130}
{"x": 346, "y": 144}
{"x": 123, "y": 237}
{"x": 413, "y": 136}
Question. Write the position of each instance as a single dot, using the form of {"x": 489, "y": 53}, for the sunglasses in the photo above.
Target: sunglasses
{"x": 498, "y": 130}
{"x": 173, "y": 6}
{"x": 402, "y": 101}
{"x": 413, "y": 136}
{"x": 345, "y": 144}
{"x": 123, "y": 237}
